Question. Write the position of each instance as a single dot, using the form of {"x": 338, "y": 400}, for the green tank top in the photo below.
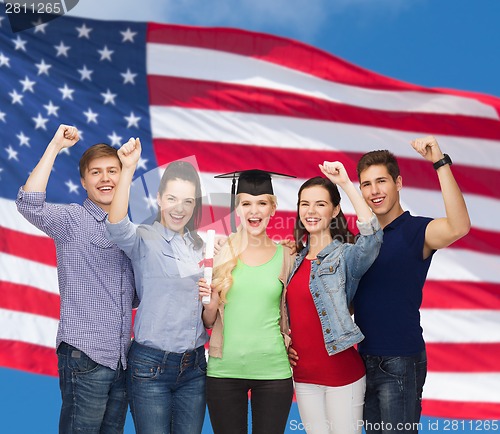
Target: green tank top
{"x": 253, "y": 345}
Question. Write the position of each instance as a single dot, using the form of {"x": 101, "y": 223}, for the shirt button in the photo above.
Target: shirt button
{"x": 323, "y": 313}
{"x": 334, "y": 347}
{"x": 331, "y": 269}
{"x": 328, "y": 330}
{"x": 316, "y": 294}
{"x": 318, "y": 262}
{"x": 312, "y": 276}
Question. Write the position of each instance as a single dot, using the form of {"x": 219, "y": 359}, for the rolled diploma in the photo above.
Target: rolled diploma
{"x": 209, "y": 255}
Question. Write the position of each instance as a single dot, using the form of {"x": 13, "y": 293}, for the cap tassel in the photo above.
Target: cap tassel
{"x": 233, "y": 198}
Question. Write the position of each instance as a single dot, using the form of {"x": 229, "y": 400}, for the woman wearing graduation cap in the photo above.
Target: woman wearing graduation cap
{"x": 248, "y": 345}
{"x": 166, "y": 370}
{"x": 329, "y": 374}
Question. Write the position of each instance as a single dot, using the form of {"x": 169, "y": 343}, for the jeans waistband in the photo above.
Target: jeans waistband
{"x": 65, "y": 348}
{"x": 418, "y": 356}
{"x": 186, "y": 357}
{"x": 71, "y": 351}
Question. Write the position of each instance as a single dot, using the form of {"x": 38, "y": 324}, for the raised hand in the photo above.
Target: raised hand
{"x": 130, "y": 153}
{"x": 65, "y": 137}
{"x": 335, "y": 172}
{"x": 428, "y": 147}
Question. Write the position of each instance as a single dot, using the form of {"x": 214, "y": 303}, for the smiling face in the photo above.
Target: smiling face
{"x": 316, "y": 210}
{"x": 381, "y": 192}
{"x": 177, "y": 203}
{"x": 255, "y": 212}
{"x": 100, "y": 179}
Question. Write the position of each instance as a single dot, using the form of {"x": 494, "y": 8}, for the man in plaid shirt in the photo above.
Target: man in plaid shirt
{"x": 96, "y": 286}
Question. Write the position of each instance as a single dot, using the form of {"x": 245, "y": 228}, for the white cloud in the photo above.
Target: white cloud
{"x": 293, "y": 17}
{"x": 130, "y": 10}
{"x": 302, "y": 19}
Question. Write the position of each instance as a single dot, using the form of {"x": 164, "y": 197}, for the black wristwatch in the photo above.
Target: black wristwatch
{"x": 445, "y": 160}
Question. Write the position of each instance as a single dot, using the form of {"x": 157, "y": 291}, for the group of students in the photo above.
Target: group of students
{"x": 273, "y": 310}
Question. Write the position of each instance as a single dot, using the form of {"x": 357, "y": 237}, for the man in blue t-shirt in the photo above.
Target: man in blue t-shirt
{"x": 389, "y": 295}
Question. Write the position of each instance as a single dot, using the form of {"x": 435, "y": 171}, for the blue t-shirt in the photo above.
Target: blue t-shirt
{"x": 389, "y": 295}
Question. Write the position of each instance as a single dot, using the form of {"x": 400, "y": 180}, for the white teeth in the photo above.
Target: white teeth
{"x": 105, "y": 189}
{"x": 377, "y": 200}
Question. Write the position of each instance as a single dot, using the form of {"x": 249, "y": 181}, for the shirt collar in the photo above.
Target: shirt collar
{"x": 398, "y": 221}
{"x": 95, "y": 210}
{"x": 325, "y": 252}
{"x": 169, "y": 234}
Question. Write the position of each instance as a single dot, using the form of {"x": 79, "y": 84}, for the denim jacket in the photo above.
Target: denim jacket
{"x": 335, "y": 275}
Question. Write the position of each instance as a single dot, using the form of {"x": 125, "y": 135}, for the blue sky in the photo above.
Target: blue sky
{"x": 435, "y": 43}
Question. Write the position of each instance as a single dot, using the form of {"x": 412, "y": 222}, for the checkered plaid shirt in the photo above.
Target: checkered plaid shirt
{"x": 96, "y": 281}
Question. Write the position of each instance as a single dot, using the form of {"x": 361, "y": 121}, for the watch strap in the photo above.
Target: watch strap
{"x": 445, "y": 160}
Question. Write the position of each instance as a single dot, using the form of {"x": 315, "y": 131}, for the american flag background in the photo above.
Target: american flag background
{"x": 237, "y": 100}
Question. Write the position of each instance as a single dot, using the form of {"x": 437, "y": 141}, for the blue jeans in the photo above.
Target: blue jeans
{"x": 94, "y": 397}
{"x": 393, "y": 400}
{"x": 166, "y": 390}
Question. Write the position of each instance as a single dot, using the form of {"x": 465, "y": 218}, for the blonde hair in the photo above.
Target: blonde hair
{"x": 227, "y": 258}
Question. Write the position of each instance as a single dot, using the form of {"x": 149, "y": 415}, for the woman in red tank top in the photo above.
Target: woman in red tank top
{"x": 329, "y": 374}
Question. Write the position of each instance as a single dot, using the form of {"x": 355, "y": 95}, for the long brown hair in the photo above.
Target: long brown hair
{"x": 186, "y": 172}
{"x": 338, "y": 226}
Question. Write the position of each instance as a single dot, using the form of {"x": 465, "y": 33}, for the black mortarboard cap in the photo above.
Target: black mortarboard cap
{"x": 254, "y": 182}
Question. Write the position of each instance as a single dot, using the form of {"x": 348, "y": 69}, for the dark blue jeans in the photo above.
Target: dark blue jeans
{"x": 166, "y": 390}
{"x": 393, "y": 400}
{"x": 94, "y": 397}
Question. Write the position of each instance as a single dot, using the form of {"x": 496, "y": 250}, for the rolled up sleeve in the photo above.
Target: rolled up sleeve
{"x": 123, "y": 234}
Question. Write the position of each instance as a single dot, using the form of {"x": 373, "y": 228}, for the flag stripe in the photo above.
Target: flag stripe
{"x": 219, "y": 159}
{"x": 267, "y": 131}
{"x": 469, "y": 387}
{"x": 460, "y": 325}
{"x": 463, "y": 265}
{"x": 21, "y": 298}
{"x": 210, "y": 95}
{"x": 460, "y": 357}
{"x": 11, "y": 219}
{"x": 27, "y": 246}
{"x": 34, "y": 274}
{"x": 28, "y": 357}
{"x": 456, "y": 411}
{"x": 27, "y": 327}
{"x": 477, "y": 241}
{"x": 192, "y": 56}
{"x": 461, "y": 295}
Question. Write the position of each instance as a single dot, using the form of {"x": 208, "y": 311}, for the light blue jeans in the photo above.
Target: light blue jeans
{"x": 166, "y": 390}
{"x": 393, "y": 400}
{"x": 94, "y": 397}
